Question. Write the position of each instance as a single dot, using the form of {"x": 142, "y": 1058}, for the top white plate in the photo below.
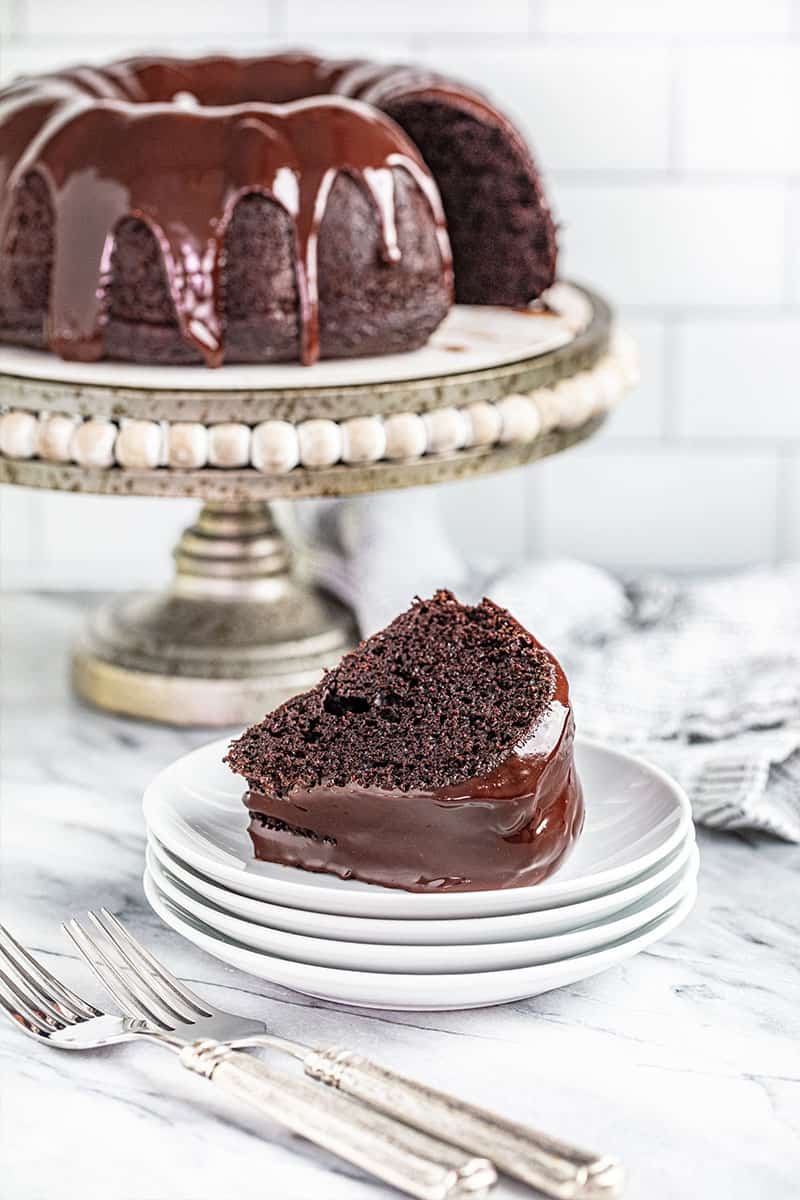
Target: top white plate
{"x": 635, "y": 816}
{"x": 471, "y": 338}
{"x": 457, "y": 931}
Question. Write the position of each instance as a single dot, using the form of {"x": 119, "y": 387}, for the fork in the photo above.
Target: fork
{"x": 46, "y": 1009}
{"x": 145, "y": 989}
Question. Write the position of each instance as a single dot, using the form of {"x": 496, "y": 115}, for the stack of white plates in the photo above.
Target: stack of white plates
{"x": 630, "y": 881}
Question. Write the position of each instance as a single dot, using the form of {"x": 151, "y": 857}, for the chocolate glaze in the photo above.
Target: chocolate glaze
{"x": 111, "y": 143}
{"x": 510, "y": 828}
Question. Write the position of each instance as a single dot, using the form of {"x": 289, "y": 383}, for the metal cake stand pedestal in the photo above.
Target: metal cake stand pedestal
{"x": 238, "y": 631}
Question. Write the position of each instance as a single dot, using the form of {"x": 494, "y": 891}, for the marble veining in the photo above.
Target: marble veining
{"x": 684, "y": 1061}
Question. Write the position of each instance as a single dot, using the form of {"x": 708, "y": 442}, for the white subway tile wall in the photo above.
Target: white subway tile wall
{"x": 679, "y": 244}
{"x": 737, "y": 377}
{"x": 667, "y": 135}
{"x": 575, "y": 104}
{"x": 678, "y": 18}
{"x": 737, "y": 106}
{"x": 317, "y": 18}
{"x": 643, "y": 415}
{"x": 53, "y": 19}
{"x": 695, "y": 508}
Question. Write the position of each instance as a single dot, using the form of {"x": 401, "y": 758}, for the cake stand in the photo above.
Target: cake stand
{"x": 238, "y": 630}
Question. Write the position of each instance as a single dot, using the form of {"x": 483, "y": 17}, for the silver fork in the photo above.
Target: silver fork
{"x": 144, "y": 988}
{"x": 46, "y": 1009}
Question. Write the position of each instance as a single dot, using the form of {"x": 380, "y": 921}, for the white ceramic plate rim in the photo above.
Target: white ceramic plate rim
{"x": 453, "y": 931}
{"x": 426, "y": 960}
{"x": 325, "y": 893}
{"x": 415, "y": 992}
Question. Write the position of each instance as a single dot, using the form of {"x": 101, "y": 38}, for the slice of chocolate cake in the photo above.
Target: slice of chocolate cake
{"x": 437, "y": 755}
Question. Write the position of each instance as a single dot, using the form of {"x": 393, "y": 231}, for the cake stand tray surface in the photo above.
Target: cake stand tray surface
{"x": 479, "y": 356}
{"x": 237, "y": 633}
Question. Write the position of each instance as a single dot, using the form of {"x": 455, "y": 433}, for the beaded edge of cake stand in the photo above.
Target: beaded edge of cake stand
{"x": 277, "y": 447}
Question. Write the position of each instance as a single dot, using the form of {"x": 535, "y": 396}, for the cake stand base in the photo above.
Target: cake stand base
{"x": 234, "y": 636}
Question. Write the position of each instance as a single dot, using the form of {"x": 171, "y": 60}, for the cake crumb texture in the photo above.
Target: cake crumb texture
{"x": 445, "y": 693}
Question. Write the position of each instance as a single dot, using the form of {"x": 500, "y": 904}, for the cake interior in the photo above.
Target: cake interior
{"x": 486, "y": 194}
{"x": 445, "y": 693}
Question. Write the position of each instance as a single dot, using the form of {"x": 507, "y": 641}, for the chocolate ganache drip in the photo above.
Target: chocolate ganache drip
{"x": 177, "y": 146}
{"x": 511, "y": 828}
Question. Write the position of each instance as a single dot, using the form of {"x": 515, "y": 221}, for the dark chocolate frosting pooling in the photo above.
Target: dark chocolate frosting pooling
{"x": 510, "y": 828}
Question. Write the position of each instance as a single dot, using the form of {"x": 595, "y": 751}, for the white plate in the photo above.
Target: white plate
{"x": 635, "y": 816}
{"x": 366, "y": 956}
{"x": 373, "y": 989}
{"x": 455, "y": 932}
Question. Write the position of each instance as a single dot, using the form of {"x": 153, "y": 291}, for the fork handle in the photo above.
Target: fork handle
{"x": 554, "y": 1167}
{"x": 412, "y": 1161}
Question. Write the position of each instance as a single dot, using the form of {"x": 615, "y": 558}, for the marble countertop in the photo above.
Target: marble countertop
{"x": 683, "y": 1061}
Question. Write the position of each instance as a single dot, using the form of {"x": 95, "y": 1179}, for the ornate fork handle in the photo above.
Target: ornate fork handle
{"x": 401, "y": 1156}
{"x": 554, "y": 1167}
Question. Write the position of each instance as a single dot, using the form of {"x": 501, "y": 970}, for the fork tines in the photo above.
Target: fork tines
{"x": 32, "y": 996}
{"x": 139, "y": 983}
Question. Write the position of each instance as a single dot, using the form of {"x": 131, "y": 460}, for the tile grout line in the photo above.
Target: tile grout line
{"x": 784, "y": 461}
{"x": 602, "y": 43}
{"x": 791, "y": 235}
{"x": 722, "y": 312}
{"x": 670, "y": 401}
{"x": 705, "y": 41}
{"x": 535, "y": 512}
{"x": 676, "y": 128}
{"x": 743, "y": 177}
{"x": 690, "y": 446}
{"x": 466, "y": 39}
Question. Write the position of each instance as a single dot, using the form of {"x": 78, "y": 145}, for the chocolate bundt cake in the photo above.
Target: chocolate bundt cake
{"x": 438, "y": 755}
{"x": 257, "y": 210}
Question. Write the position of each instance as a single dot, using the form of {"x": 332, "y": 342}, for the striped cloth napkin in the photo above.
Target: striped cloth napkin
{"x": 701, "y": 677}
